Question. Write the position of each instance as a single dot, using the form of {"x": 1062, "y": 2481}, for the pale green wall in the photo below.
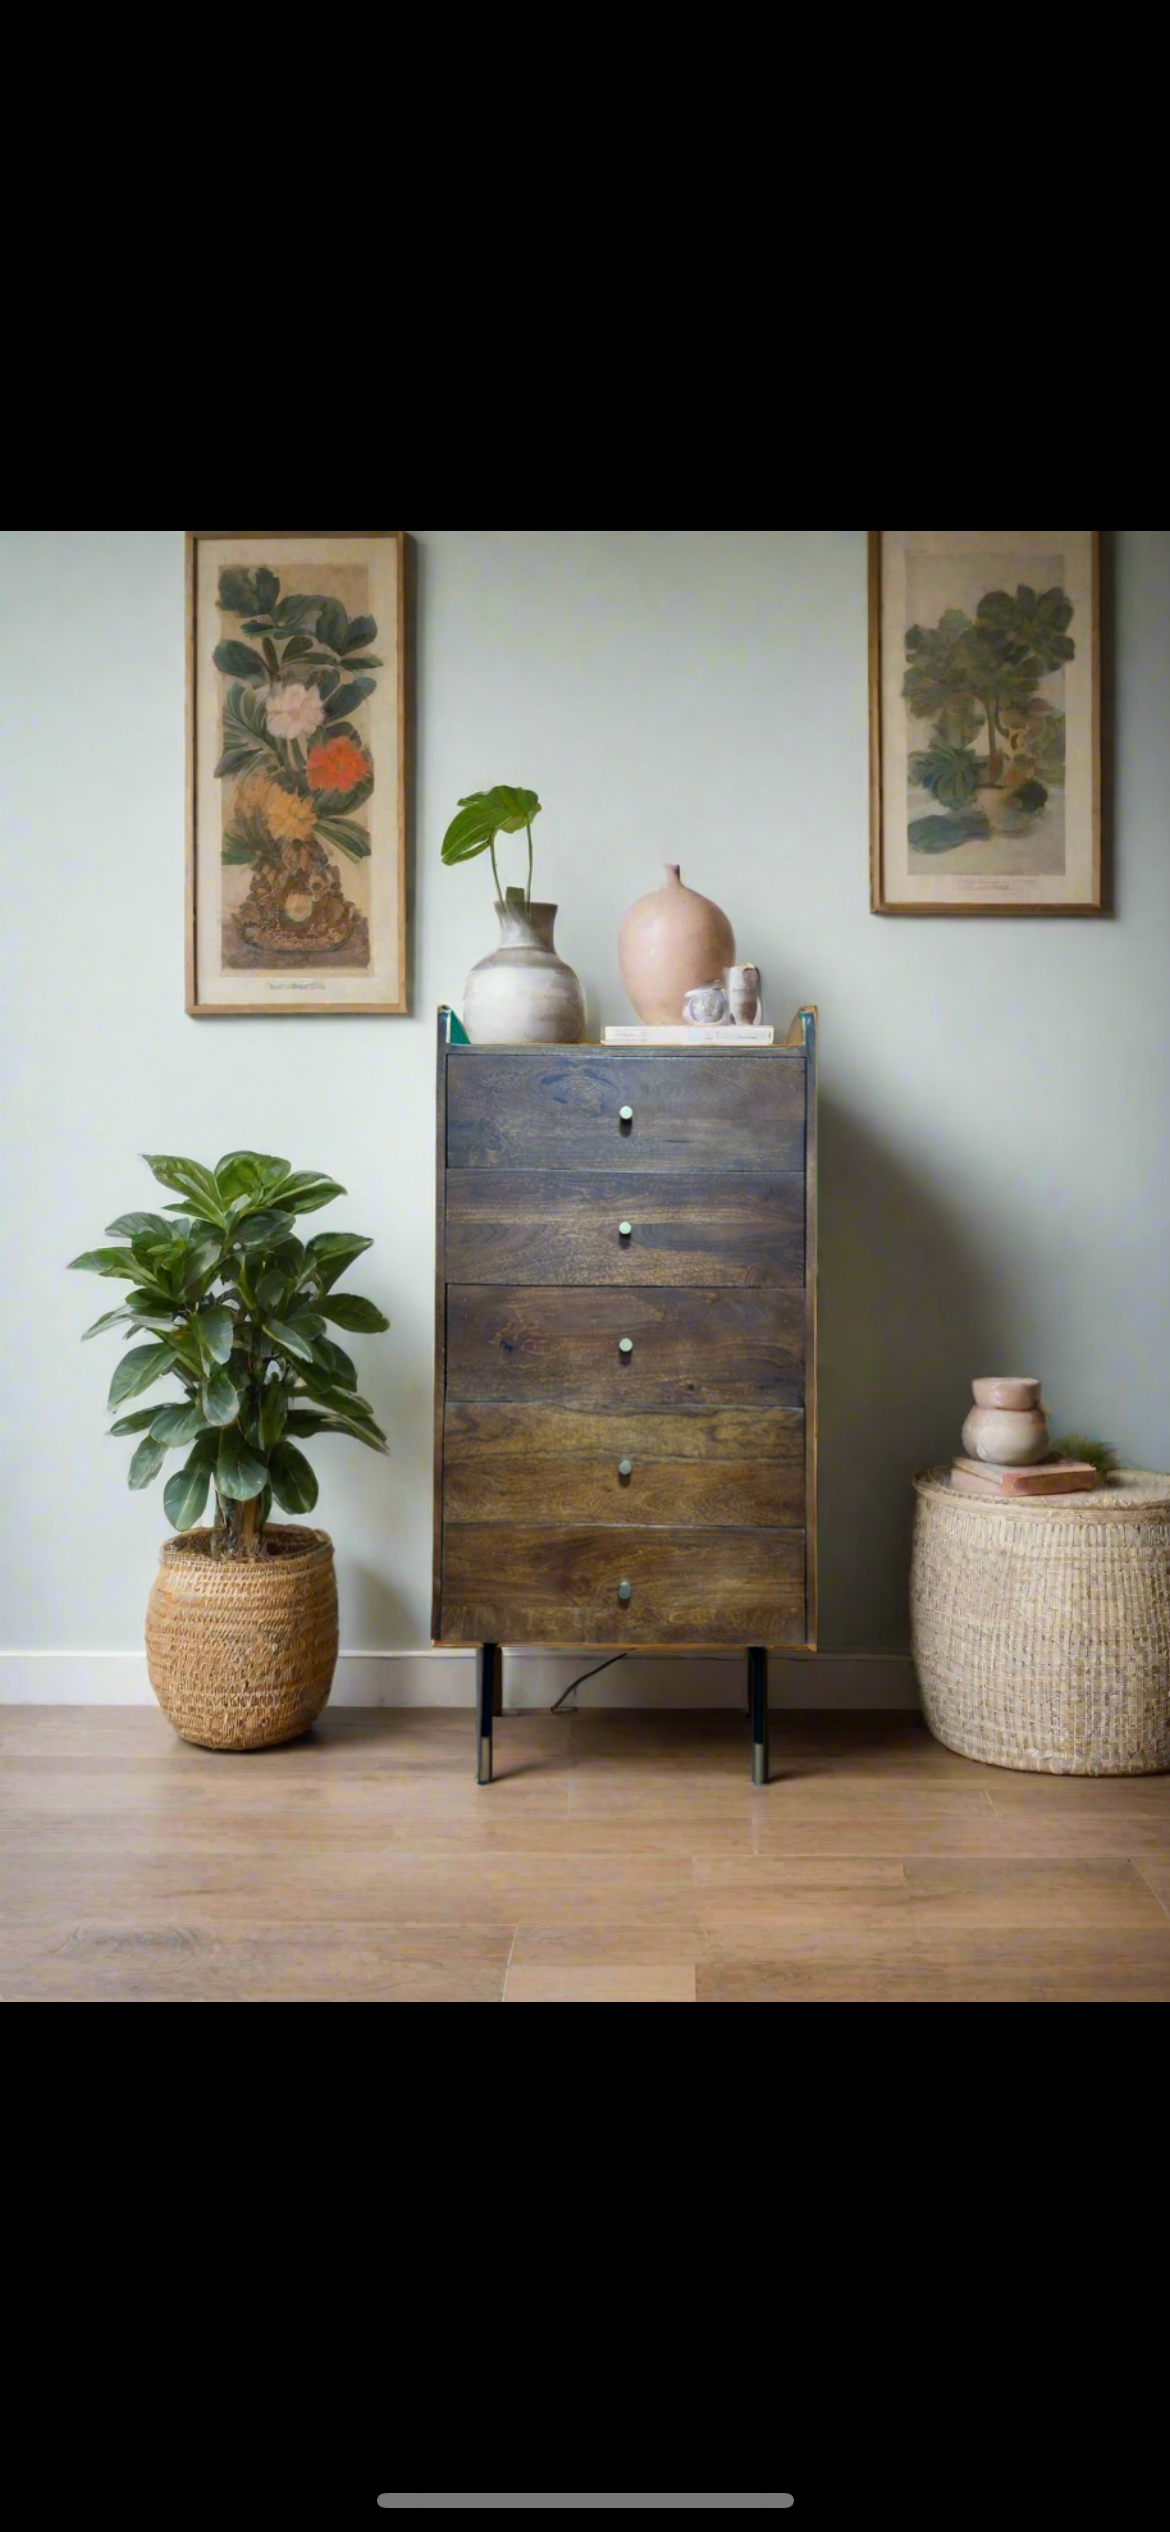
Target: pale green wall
{"x": 995, "y": 1095}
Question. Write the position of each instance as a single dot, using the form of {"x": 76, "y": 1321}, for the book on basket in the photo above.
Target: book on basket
{"x": 1044, "y": 1477}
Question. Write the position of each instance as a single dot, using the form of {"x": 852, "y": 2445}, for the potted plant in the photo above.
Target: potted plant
{"x": 241, "y": 1629}
{"x": 522, "y": 993}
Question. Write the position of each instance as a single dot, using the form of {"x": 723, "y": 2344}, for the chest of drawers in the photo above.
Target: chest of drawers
{"x": 625, "y": 1332}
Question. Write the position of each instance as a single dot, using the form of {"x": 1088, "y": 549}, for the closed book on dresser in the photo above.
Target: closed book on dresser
{"x": 625, "y": 1328}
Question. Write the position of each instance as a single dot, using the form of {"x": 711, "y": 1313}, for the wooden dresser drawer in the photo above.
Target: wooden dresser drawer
{"x": 735, "y": 1467}
{"x": 561, "y": 1109}
{"x": 511, "y": 1226}
{"x": 509, "y": 1584}
{"x": 684, "y": 1345}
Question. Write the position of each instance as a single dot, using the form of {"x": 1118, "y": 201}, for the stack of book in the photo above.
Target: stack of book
{"x": 694, "y": 1033}
{"x": 1044, "y": 1477}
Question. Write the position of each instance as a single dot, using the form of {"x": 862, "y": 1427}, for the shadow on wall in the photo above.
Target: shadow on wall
{"x": 909, "y": 1311}
{"x": 373, "y": 1612}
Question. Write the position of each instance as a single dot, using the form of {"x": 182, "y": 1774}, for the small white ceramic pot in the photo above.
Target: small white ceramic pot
{"x": 705, "y": 1006}
{"x": 998, "y": 1390}
{"x": 743, "y": 994}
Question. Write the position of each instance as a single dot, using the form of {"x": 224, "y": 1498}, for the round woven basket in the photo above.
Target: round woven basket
{"x": 242, "y": 1655}
{"x": 1041, "y": 1627}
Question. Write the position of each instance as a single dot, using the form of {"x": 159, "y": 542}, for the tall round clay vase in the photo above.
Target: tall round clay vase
{"x": 669, "y": 942}
{"x": 523, "y": 994}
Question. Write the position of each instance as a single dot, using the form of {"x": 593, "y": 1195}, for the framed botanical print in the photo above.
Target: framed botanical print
{"x": 985, "y": 721}
{"x": 296, "y": 771}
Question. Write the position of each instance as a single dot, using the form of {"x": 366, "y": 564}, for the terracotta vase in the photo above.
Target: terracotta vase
{"x": 669, "y": 942}
{"x": 1007, "y": 1424}
{"x": 522, "y": 994}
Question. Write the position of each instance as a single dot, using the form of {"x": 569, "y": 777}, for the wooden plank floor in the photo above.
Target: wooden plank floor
{"x": 618, "y": 1858}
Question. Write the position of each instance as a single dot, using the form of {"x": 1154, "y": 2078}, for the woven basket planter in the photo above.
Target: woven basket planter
{"x": 1041, "y": 1629}
{"x": 242, "y": 1655}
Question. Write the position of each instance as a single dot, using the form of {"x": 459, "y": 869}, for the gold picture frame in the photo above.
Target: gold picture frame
{"x": 297, "y": 773}
{"x": 985, "y": 721}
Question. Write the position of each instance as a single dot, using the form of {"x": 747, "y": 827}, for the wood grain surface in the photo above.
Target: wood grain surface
{"x": 716, "y": 1468}
{"x": 619, "y": 1857}
{"x": 514, "y": 1584}
{"x": 559, "y": 1109}
{"x": 690, "y": 1345}
{"x": 531, "y": 1226}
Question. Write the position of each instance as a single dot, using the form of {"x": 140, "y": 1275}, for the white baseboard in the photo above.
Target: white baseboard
{"x": 532, "y": 1681}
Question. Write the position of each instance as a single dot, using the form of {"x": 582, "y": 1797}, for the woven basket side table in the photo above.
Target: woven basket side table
{"x": 1041, "y": 1628}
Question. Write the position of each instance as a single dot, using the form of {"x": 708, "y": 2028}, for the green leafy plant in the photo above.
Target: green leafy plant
{"x": 237, "y": 1310}
{"x": 480, "y": 818}
{"x": 1077, "y": 1446}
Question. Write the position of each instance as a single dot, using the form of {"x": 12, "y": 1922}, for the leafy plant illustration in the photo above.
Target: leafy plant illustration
{"x": 300, "y": 767}
{"x": 237, "y": 1309}
{"x": 972, "y": 674}
{"x": 950, "y": 773}
{"x": 966, "y": 670}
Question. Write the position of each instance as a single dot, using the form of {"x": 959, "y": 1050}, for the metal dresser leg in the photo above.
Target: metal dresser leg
{"x": 758, "y": 1693}
{"x": 487, "y": 1699}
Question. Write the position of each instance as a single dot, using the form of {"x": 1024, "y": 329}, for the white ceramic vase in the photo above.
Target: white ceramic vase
{"x": 522, "y": 994}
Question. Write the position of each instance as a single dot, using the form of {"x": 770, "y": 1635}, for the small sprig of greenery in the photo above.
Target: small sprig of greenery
{"x": 1099, "y": 1455}
{"x": 480, "y": 818}
{"x": 238, "y": 1311}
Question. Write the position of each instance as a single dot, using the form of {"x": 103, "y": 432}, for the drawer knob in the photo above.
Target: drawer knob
{"x": 623, "y": 1591}
{"x": 625, "y": 1345}
{"x": 626, "y": 1115}
{"x": 625, "y": 1468}
{"x": 624, "y": 1230}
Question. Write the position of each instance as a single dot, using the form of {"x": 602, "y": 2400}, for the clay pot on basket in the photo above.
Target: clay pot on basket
{"x": 241, "y": 1653}
{"x": 669, "y": 942}
{"x": 1007, "y": 1424}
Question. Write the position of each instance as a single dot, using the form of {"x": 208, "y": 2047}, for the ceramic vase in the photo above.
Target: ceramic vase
{"x": 522, "y": 994}
{"x": 1007, "y": 1424}
{"x": 705, "y": 1006}
{"x": 743, "y": 994}
{"x": 669, "y": 942}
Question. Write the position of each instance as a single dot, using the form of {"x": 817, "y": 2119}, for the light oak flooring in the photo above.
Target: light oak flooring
{"x": 619, "y": 1858}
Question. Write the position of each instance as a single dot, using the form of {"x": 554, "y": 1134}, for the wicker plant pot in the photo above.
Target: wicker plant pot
{"x": 242, "y": 1655}
{"x": 1041, "y": 1628}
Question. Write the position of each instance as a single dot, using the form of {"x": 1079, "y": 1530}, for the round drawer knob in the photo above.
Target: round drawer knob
{"x": 623, "y": 1591}
{"x": 624, "y": 1230}
{"x": 625, "y": 1345}
{"x": 626, "y": 1115}
{"x": 625, "y": 1468}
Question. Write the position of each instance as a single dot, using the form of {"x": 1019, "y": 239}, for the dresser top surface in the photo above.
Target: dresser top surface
{"x": 587, "y": 1049}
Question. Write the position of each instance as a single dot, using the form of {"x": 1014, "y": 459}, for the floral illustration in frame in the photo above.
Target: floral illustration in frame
{"x": 296, "y": 772}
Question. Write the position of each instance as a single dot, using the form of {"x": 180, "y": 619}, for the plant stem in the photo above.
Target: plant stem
{"x": 994, "y": 759}
{"x": 496, "y": 875}
{"x": 528, "y": 832}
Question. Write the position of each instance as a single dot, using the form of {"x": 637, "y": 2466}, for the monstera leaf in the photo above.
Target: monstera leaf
{"x": 483, "y": 815}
